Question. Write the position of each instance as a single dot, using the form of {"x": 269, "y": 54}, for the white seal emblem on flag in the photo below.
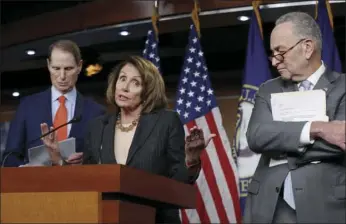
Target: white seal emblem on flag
{"x": 246, "y": 159}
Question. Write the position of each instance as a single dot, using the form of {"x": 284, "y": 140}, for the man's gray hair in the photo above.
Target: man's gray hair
{"x": 304, "y": 26}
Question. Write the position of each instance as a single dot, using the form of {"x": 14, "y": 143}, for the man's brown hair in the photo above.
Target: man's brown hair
{"x": 153, "y": 94}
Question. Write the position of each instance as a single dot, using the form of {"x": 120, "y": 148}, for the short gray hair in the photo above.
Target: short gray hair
{"x": 304, "y": 26}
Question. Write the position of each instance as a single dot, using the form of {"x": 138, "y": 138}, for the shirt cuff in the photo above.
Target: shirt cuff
{"x": 305, "y": 135}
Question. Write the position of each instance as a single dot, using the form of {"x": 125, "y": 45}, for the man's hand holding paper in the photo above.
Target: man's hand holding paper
{"x": 309, "y": 106}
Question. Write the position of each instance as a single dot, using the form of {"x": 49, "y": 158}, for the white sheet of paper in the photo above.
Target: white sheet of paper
{"x": 39, "y": 155}
{"x": 67, "y": 147}
{"x": 299, "y": 106}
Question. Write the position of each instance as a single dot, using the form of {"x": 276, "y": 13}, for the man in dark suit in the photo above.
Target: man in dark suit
{"x": 301, "y": 176}
{"x": 54, "y": 106}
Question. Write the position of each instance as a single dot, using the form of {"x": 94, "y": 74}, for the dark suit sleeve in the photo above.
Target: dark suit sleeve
{"x": 340, "y": 114}
{"x": 16, "y": 138}
{"x": 88, "y": 157}
{"x": 264, "y": 135}
{"x": 176, "y": 152}
{"x": 321, "y": 146}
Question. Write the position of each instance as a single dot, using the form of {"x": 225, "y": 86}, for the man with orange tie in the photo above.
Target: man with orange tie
{"x": 54, "y": 106}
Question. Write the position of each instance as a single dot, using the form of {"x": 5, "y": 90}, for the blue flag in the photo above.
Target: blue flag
{"x": 256, "y": 72}
{"x": 330, "y": 54}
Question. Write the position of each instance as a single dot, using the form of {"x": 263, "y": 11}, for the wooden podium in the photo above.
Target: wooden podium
{"x": 88, "y": 194}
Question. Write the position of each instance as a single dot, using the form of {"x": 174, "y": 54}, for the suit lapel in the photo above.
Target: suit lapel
{"x": 107, "y": 151}
{"x": 47, "y": 112}
{"x": 78, "y": 111}
{"x": 326, "y": 81}
{"x": 146, "y": 124}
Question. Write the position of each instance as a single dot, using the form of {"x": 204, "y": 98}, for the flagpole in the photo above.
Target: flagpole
{"x": 195, "y": 17}
{"x": 255, "y": 5}
{"x": 154, "y": 19}
{"x": 329, "y": 10}
{"x": 151, "y": 49}
{"x": 330, "y": 14}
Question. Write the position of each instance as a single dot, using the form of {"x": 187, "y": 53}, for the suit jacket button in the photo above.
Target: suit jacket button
{"x": 277, "y": 189}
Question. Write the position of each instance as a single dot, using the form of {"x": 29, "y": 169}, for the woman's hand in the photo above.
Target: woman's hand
{"x": 51, "y": 143}
{"x": 194, "y": 145}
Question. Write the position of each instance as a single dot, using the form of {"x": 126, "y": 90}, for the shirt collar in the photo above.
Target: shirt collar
{"x": 70, "y": 96}
{"x": 317, "y": 74}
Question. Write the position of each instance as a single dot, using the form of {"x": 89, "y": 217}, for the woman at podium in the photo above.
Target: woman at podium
{"x": 142, "y": 133}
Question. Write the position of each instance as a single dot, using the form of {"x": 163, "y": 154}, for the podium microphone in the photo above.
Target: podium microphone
{"x": 20, "y": 155}
{"x": 73, "y": 120}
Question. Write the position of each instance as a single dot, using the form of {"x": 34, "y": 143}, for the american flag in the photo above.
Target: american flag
{"x": 151, "y": 51}
{"x": 217, "y": 184}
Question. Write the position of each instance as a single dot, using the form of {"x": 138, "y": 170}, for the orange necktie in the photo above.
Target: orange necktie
{"x": 61, "y": 118}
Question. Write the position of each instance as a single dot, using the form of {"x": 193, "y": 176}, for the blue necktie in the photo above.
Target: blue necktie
{"x": 288, "y": 190}
{"x": 305, "y": 85}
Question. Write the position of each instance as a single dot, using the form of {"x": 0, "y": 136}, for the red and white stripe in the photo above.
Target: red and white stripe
{"x": 217, "y": 184}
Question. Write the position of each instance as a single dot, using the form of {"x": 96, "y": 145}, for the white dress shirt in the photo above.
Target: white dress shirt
{"x": 70, "y": 104}
{"x": 313, "y": 79}
{"x": 304, "y": 140}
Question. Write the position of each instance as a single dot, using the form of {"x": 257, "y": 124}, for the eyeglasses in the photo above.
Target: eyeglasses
{"x": 280, "y": 57}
